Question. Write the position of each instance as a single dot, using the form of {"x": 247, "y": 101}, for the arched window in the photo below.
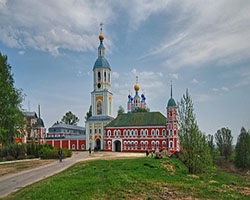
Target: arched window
{"x": 164, "y": 132}
{"x": 109, "y": 133}
{"x": 146, "y": 132}
{"x": 164, "y": 144}
{"x": 73, "y": 146}
{"x": 99, "y": 76}
{"x": 153, "y": 133}
{"x": 99, "y": 108}
{"x": 157, "y": 132}
{"x": 153, "y": 145}
{"x": 171, "y": 145}
{"x": 105, "y": 77}
{"x": 82, "y": 147}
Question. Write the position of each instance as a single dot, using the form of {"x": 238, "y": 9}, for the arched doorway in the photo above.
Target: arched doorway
{"x": 117, "y": 145}
{"x": 98, "y": 144}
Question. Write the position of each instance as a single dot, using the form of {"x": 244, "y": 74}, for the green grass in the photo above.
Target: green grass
{"x": 141, "y": 178}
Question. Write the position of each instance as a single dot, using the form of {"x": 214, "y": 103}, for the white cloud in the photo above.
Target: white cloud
{"x": 21, "y": 52}
{"x": 206, "y": 34}
{"x": 3, "y": 4}
{"x": 221, "y": 89}
{"x": 174, "y": 76}
{"x": 195, "y": 81}
{"x": 52, "y": 26}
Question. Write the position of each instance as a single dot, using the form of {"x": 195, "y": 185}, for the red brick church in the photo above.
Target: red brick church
{"x": 139, "y": 130}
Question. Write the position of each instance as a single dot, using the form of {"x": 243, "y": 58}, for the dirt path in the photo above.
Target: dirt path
{"x": 13, "y": 182}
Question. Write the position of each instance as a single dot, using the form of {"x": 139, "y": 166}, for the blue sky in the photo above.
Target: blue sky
{"x": 200, "y": 45}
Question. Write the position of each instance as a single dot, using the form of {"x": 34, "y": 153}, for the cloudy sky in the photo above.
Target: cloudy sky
{"x": 200, "y": 45}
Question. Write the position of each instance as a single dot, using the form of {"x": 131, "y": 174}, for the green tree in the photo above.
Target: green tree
{"x": 185, "y": 113}
{"x": 242, "y": 150}
{"x": 210, "y": 143}
{"x": 120, "y": 110}
{"x": 89, "y": 114}
{"x": 224, "y": 140}
{"x": 70, "y": 118}
{"x": 11, "y": 116}
{"x": 195, "y": 153}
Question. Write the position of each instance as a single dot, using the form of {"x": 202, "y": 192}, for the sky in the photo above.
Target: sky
{"x": 202, "y": 46}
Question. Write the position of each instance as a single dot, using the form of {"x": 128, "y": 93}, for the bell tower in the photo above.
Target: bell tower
{"x": 101, "y": 99}
{"x": 172, "y": 125}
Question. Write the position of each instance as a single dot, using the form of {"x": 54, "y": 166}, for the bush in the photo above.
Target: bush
{"x": 48, "y": 153}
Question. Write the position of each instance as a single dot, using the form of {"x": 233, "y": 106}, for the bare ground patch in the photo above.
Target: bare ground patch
{"x": 12, "y": 168}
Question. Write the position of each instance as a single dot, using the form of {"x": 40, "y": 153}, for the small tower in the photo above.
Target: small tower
{"x": 172, "y": 125}
{"x": 137, "y": 102}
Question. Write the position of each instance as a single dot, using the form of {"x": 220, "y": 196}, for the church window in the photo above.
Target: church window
{"x": 153, "y": 145}
{"x": 109, "y": 77}
{"x": 82, "y": 147}
{"x": 171, "y": 145}
{"x": 157, "y": 132}
{"x": 157, "y": 144}
{"x": 146, "y": 144}
{"x": 109, "y": 133}
{"x": 164, "y": 132}
{"x": 133, "y": 145}
{"x": 99, "y": 76}
{"x": 119, "y": 133}
{"x": 90, "y": 131}
{"x": 104, "y": 76}
{"x": 164, "y": 144}
{"x": 153, "y": 133}
{"x": 128, "y": 145}
{"x": 146, "y": 132}
{"x": 171, "y": 132}
{"x": 73, "y": 146}
{"x": 99, "y": 108}
{"x": 99, "y": 131}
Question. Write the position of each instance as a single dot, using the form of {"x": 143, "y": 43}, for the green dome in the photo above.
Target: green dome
{"x": 171, "y": 102}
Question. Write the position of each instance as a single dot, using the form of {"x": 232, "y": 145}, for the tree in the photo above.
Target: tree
{"x": 242, "y": 150}
{"x": 224, "y": 140}
{"x": 120, "y": 110}
{"x": 185, "y": 113}
{"x": 89, "y": 114}
{"x": 70, "y": 118}
{"x": 11, "y": 116}
{"x": 195, "y": 153}
{"x": 210, "y": 143}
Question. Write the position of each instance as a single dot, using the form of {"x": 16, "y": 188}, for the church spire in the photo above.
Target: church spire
{"x": 101, "y": 48}
{"x": 171, "y": 94}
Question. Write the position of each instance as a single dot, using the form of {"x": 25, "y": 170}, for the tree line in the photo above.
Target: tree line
{"x": 198, "y": 150}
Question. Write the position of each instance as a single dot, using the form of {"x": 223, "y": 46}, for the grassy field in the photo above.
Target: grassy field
{"x": 141, "y": 178}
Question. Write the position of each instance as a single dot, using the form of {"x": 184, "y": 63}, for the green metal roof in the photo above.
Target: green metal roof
{"x": 171, "y": 103}
{"x": 138, "y": 119}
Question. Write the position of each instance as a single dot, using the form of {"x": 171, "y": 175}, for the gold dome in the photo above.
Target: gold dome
{"x": 137, "y": 87}
{"x": 101, "y": 36}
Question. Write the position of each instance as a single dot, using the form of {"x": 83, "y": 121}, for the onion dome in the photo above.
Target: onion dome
{"x": 101, "y": 37}
{"x": 137, "y": 87}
